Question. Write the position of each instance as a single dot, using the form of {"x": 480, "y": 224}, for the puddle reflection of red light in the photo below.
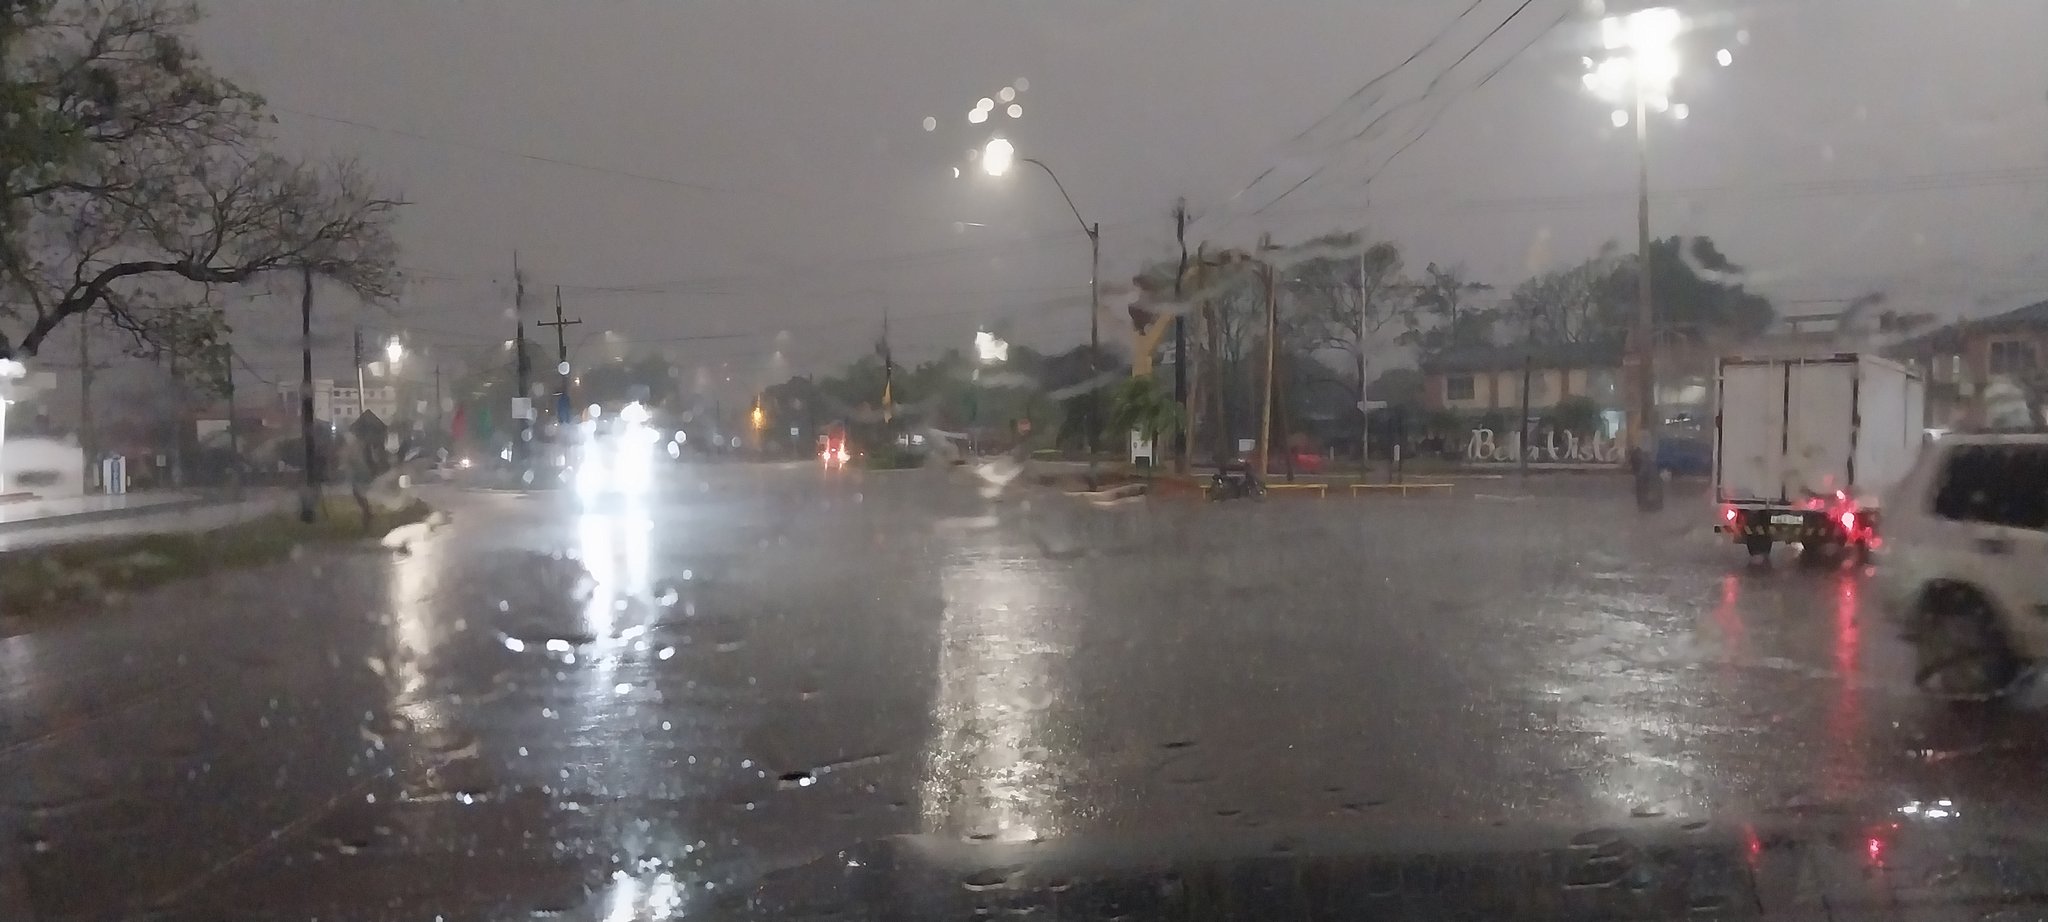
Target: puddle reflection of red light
{"x": 1848, "y": 634}
{"x": 1845, "y": 728}
{"x": 1728, "y": 617}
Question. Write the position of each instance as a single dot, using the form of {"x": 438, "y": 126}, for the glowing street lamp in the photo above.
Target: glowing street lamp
{"x": 1639, "y": 71}
{"x": 394, "y": 350}
{"x": 997, "y": 156}
{"x": 990, "y": 348}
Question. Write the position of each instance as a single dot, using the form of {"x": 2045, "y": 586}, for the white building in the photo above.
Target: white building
{"x": 338, "y": 403}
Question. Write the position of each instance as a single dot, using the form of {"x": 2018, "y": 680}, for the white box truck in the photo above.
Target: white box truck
{"x": 1803, "y": 447}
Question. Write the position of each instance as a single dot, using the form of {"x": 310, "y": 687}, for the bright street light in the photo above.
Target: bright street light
{"x": 394, "y": 350}
{"x": 997, "y": 157}
{"x": 1636, "y": 78}
{"x": 990, "y": 348}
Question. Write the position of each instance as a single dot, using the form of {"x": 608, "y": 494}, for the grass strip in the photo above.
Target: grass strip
{"x": 71, "y": 575}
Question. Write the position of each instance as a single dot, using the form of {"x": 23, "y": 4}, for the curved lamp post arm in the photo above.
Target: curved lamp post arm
{"x": 1085, "y": 226}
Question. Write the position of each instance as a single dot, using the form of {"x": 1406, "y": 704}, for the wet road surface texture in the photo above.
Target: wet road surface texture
{"x": 618, "y": 711}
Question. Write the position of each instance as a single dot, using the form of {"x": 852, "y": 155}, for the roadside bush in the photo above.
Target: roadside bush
{"x": 1576, "y": 414}
{"x": 893, "y": 458}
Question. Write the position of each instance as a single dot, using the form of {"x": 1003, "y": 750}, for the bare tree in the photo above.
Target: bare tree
{"x": 1354, "y": 298}
{"x": 154, "y": 186}
{"x": 1448, "y": 320}
{"x": 1570, "y": 306}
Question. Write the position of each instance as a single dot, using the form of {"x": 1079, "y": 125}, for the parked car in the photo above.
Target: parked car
{"x": 1963, "y": 563}
{"x": 1305, "y": 462}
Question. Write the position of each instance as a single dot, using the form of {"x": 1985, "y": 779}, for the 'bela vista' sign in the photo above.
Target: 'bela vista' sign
{"x": 1485, "y": 448}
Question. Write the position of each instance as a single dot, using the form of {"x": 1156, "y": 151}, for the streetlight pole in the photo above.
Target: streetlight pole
{"x": 1641, "y": 70}
{"x": 1649, "y": 489}
{"x": 1272, "y": 330}
{"x": 995, "y": 160}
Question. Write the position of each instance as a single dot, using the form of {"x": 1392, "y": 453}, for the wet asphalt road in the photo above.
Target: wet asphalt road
{"x": 541, "y": 711}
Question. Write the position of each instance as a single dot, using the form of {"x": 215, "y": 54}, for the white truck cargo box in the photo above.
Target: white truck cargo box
{"x": 1800, "y": 441}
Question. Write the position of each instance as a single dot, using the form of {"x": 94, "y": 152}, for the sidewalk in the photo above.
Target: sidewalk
{"x": 74, "y": 509}
{"x": 44, "y": 523}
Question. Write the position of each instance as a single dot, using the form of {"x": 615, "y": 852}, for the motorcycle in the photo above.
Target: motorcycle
{"x": 1235, "y": 480}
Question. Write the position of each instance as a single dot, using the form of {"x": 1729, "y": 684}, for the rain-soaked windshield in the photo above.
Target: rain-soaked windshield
{"x": 918, "y": 459}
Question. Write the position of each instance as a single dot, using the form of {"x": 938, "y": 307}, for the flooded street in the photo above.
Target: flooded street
{"x": 540, "y": 710}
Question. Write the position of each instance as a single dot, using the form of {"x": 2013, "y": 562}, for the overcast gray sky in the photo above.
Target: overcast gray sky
{"x": 757, "y": 168}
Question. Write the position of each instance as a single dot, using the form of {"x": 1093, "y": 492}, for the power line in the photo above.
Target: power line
{"x": 1364, "y": 89}
{"x": 1483, "y": 81}
{"x": 1773, "y": 192}
{"x": 1425, "y": 94}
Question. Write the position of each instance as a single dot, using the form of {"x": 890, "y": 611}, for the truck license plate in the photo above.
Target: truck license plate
{"x": 1788, "y": 520}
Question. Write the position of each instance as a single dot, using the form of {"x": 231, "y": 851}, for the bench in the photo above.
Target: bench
{"x": 1321, "y": 489}
{"x": 1403, "y": 488}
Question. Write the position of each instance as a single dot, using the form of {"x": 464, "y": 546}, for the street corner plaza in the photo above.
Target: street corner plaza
{"x": 662, "y": 708}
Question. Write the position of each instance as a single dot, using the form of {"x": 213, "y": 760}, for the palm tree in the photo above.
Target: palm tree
{"x": 1141, "y": 404}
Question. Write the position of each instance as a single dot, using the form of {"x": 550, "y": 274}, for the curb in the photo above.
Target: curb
{"x": 110, "y": 515}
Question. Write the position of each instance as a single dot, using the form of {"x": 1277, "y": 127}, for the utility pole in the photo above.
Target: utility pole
{"x": 1180, "y": 341}
{"x": 1649, "y": 487}
{"x": 1193, "y": 406}
{"x": 362, "y": 394}
{"x": 184, "y": 410}
{"x": 1272, "y": 329}
{"x": 561, "y": 325}
{"x": 86, "y": 439}
{"x": 888, "y": 370}
{"x": 521, "y": 368}
{"x": 1522, "y": 440}
{"x": 234, "y": 433}
{"x": 308, "y": 494}
{"x": 1225, "y": 446}
{"x": 440, "y": 429}
{"x": 1094, "y": 334}
{"x": 1364, "y": 382}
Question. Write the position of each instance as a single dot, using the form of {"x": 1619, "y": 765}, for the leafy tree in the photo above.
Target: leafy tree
{"x": 1145, "y": 406}
{"x": 140, "y": 173}
{"x": 1573, "y": 305}
{"x": 1352, "y": 295}
{"x": 1576, "y": 413}
{"x": 1352, "y": 298}
{"x": 1448, "y": 319}
{"x": 1696, "y": 291}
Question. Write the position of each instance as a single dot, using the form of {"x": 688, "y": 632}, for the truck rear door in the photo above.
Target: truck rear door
{"x": 1821, "y": 428}
{"x": 1890, "y": 403}
{"x": 1750, "y": 441}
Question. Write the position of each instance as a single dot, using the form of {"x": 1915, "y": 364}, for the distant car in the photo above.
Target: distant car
{"x": 1305, "y": 462}
{"x": 1962, "y": 561}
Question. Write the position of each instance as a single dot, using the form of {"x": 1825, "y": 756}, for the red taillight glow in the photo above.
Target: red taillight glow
{"x": 1848, "y": 520}
{"x": 1728, "y": 514}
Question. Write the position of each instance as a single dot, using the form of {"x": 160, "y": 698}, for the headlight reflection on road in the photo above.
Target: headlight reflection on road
{"x": 616, "y": 552}
{"x": 417, "y": 639}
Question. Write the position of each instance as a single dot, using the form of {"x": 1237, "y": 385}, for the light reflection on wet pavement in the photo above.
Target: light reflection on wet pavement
{"x": 612, "y": 714}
